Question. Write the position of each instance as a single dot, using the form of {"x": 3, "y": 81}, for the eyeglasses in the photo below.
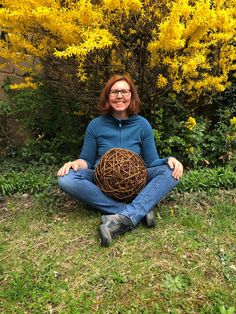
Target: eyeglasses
{"x": 115, "y": 92}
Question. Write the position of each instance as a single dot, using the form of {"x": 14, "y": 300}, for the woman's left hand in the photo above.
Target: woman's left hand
{"x": 177, "y": 166}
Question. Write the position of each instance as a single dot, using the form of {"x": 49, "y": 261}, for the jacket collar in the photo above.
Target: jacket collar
{"x": 122, "y": 121}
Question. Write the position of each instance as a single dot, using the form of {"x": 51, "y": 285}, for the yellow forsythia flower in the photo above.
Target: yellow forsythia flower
{"x": 231, "y": 137}
{"x": 189, "y": 149}
{"x": 134, "y": 5}
{"x": 233, "y": 121}
{"x": 190, "y": 123}
{"x": 161, "y": 81}
{"x": 78, "y": 113}
{"x": 112, "y": 4}
{"x": 28, "y": 83}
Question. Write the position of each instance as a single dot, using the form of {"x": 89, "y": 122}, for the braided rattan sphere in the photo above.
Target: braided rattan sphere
{"x": 121, "y": 174}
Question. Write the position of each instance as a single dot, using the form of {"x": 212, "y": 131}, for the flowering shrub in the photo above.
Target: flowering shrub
{"x": 179, "y": 53}
{"x": 190, "y": 123}
{"x": 197, "y": 142}
{"x": 187, "y": 46}
{"x": 233, "y": 121}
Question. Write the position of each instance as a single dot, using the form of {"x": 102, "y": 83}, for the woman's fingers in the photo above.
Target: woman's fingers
{"x": 177, "y": 166}
{"x": 75, "y": 165}
{"x": 64, "y": 169}
{"x": 178, "y": 171}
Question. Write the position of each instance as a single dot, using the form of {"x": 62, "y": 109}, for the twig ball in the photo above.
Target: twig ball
{"x": 121, "y": 174}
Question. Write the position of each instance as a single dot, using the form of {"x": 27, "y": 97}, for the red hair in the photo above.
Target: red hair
{"x": 104, "y": 106}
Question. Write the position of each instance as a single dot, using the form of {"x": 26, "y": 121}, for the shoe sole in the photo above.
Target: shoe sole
{"x": 150, "y": 220}
{"x": 105, "y": 235}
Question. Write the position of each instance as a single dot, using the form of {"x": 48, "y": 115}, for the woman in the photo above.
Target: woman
{"x": 119, "y": 125}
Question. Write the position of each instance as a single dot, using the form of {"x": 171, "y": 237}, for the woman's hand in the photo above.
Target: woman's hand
{"x": 177, "y": 166}
{"x": 75, "y": 165}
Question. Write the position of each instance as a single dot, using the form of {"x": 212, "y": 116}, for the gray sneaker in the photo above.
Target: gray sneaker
{"x": 150, "y": 219}
{"x": 112, "y": 226}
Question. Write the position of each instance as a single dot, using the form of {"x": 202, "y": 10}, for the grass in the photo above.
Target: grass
{"x": 52, "y": 262}
{"x": 34, "y": 178}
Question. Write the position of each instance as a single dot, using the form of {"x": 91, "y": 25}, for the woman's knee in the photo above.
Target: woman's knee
{"x": 74, "y": 178}
{"x": 167, "y": 173}
{"x": 64, "y": 182}
{"x": 169, "y": 176}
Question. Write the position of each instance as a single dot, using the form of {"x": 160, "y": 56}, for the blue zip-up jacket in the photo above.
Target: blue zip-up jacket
{"x": 106, "y": 132}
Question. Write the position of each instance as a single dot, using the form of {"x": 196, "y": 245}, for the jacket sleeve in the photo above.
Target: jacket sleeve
{"x": 149, "y": 151}
{"x": 89, "y": 149}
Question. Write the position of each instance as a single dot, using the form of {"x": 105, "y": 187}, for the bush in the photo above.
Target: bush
{"x": 56, "y": 127}
{"x": 68, "y": 49}
{"x": 207, "y": 179}
{"x": 197, "y": 142}
{"x": 31, "y": 180}
{"x": 162, "y": 45}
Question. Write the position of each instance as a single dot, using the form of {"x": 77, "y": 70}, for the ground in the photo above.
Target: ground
{"x": 52, "y": 261}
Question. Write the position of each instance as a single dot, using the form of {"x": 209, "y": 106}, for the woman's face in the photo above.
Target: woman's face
{"x": 119, "y": 98}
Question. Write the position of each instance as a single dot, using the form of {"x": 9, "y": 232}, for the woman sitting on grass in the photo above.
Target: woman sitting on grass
{"x": 119, "y": 126}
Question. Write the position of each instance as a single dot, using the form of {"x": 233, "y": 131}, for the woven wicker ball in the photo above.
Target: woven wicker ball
{"x": 121, "y": 174}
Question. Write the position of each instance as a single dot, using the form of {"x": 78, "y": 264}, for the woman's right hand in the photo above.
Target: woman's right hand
{"x": 75, "y": 165}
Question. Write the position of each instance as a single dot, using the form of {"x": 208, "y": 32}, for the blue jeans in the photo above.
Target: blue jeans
{"x": 81, "y": 186}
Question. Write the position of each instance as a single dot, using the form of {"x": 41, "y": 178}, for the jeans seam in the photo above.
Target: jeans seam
{"x": 142, "y": 203}
{"x": 151, "y": 192}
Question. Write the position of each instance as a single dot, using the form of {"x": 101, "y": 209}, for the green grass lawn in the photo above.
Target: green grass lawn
{"x": 52, "y": 262}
